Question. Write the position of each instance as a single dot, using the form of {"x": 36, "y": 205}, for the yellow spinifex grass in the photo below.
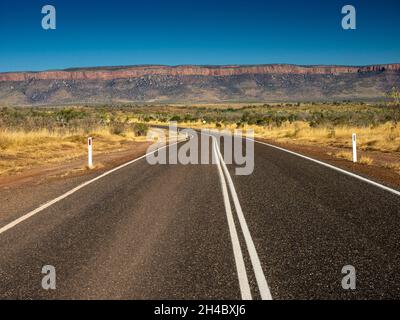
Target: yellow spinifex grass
{"x": 347, "y": 155}
{"x": 20, "y": 150}
{"x": 393, "y": 166}
{"x": 385, "y": 137}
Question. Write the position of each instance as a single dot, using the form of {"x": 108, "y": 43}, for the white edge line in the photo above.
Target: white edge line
{"x": 356, "y": 176}
{"x": 255, "y": 260}
{"x": 237, "y": 252}
{"x": 376, "y": 184}
{"x": 72, "y": 191}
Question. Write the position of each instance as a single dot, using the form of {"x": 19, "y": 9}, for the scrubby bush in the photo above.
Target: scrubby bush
{"x": 140, "y": 129}
{"x": 117, "y": 128}
{"x": 65, "y": 116}
{"x": 175, "y": 118}
{"x": 394, "y": 95}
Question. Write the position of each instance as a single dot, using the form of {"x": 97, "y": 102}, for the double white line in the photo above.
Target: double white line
{"x": 244, "y": 285}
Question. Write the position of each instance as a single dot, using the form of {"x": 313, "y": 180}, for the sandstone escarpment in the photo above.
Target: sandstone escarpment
{"x": 208, "y": 84}
{"x": 140, "y": 71}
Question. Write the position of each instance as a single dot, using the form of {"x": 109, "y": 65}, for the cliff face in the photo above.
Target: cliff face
{"x": 186, "y": 84}
{"x": 140, "y": 71}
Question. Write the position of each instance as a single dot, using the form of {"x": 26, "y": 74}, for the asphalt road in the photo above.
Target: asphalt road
{"x": 168, "y": 232}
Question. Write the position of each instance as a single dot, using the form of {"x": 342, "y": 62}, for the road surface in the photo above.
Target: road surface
{"x": 179, "y": 232}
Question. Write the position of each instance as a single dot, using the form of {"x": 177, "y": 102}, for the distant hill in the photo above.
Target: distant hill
{"x": 208, "y": 84}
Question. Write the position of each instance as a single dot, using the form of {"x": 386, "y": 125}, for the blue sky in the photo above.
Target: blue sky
{"x": 118, "y": 32}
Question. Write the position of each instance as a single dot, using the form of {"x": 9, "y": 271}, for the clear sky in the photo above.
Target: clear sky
{"x": 174, "y": 32}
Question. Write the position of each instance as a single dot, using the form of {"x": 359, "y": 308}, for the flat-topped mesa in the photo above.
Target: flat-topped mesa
{"x": 139, "y": 71}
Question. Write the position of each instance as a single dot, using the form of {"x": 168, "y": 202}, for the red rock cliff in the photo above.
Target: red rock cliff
{"x": 139, "y": 71}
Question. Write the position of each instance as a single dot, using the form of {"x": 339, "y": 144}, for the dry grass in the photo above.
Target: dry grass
{"x": 393, "y": 166}
{"x": 23, "y": 150}
{"x": 384, "y": 138}
{"x": 346, "y": 155}
{"x": 367, "y": 161}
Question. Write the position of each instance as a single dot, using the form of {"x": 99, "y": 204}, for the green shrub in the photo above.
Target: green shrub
{"x": 175, "y": 118}
{"x": 140, "y": 129}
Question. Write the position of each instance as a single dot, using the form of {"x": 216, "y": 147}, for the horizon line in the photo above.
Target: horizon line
{"x": 70, "y": 69}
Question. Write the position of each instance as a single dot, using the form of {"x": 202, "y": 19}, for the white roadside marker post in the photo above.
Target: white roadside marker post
{"x": 354, "y": 148}
{"x": 90, "y": 153}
